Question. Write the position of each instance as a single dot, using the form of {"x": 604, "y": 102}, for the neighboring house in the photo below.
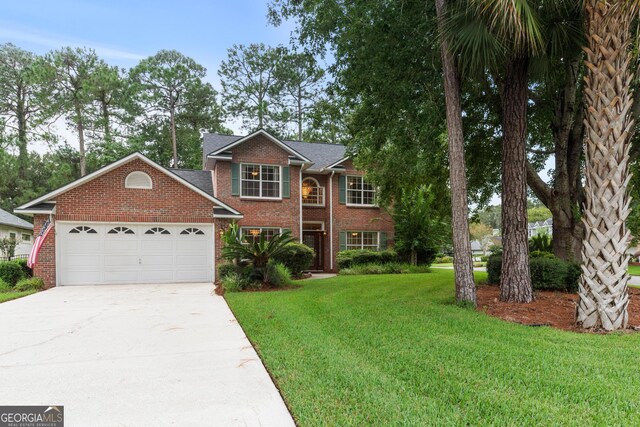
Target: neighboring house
{"x": 477, "y": 250}
{"x": 135, "y": 221}
{"x": 16, "y": 228}
{"x": 540, "y": 227}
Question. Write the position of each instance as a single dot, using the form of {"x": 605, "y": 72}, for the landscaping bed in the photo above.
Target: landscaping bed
{"x": 550, "y": 308}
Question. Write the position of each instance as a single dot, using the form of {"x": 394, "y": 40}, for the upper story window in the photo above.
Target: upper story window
{"x": 360, "y": 192}
{"x": 312, "y": 193}
{"x": 138, "y": 180}
{"x": 26, "y": 237}
{"x": 260, "y": 181}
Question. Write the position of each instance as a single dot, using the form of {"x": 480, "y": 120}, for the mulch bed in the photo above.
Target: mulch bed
{"x": 556, "y": 309}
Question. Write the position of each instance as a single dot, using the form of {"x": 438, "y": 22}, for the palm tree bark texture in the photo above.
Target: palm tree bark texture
{"x": 515, "y": 282}
{"x": 463, "y": 264}
{"x": 603, "y": 293}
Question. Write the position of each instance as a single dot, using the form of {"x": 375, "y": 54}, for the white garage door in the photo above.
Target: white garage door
{"x": 94, "y": 254}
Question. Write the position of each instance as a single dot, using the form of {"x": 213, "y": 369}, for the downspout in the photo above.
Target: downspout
{"x": 331, "y": 220}
{"x": 300, "y": 201}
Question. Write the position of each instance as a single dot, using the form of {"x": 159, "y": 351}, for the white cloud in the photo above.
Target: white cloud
{"x": 56, "y": 42}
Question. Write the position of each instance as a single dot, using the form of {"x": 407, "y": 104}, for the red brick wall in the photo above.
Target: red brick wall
{"x": 353, "y": 218}
{"x": 283, "y": 213}
{"x": 105, "y": 199}
{"x": 46, "y": 265}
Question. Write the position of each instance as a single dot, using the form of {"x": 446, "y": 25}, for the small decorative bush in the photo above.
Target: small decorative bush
{"x": 235, "y": 282}
{"x": 350, "y": 258}
{"x": 32, "y": 284}
{"x": 23, "y": 264}
{"x": 484, "y": 258}
{"x": 5, "y": 287}
{"x": 226, "y": 269}
{"x": 541, "y": 254}
{"x": 277, "y": 274}
{"x": 11, "y": 272}
{"x": 547, "y": 273}
{"x": 389, "y": 268}
{"x": 297, "y": 257}
{"x": 444, "y": 260}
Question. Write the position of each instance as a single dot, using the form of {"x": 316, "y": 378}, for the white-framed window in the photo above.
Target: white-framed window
{"x": 138, "y": 180}
{"x": 260, "y": 181}
{"x": 363, "y": 240}
{"x": 312, "y": 193}
{"x": 252, "y": 234}
{"x": 26, "y": 237}
{"x": 360, "y": 192}
{"x": 12, "y": 236}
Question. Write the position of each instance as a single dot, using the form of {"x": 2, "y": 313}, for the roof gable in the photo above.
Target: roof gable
{"x": 267, "y": 135}
{"x": 9, "y": 219}
{"x": 199, "y": 185}
{"x": 322, "y": 155}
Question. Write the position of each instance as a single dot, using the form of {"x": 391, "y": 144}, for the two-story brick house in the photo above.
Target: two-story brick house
{"x": 134, "y": 221}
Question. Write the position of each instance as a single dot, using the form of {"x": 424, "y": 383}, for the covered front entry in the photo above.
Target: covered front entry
{"x": 117, "y": 253}
{"x": 315, "y": 240}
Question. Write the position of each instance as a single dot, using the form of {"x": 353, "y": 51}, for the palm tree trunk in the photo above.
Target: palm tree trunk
{"x": 463, "y": 265}
{"x": 603, "y": 285}
{"x": 515, "y": 282}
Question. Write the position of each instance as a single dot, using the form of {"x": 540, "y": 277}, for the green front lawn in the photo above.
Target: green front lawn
{"x": 634, "y": 270}
{"x": 395, "y": 350}
{"x": 8, "y": 296}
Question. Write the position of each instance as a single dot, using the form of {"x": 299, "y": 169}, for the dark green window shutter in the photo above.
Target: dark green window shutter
{"x": 342, "y": 181}
{"x": 343, "y": 240}
{"x": 286, "y": 182}
{"x": 383, "y": 240}
{"x": 235, "y": 179}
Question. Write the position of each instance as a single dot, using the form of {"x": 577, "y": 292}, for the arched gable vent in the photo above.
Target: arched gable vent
{"x": 138, "y": 180}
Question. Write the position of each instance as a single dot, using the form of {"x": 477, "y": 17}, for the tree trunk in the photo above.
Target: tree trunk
{"x": 463, "y": 265}
{"x": 80, "y": 128}
{"x": 603, "y": 289}
{"x": 414, "y": 257}
{"x": 174, "y": 143}
{"x": 23, "y": 151}
{"x": 515, "y": 282}
{"x": 299, "y": 113}
{"x": 106, "y": 121}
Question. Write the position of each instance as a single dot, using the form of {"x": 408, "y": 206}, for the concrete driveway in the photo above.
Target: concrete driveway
{"x": 135, "y": 355}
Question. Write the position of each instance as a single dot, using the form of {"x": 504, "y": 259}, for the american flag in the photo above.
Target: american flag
{"x": 35, "y": 250}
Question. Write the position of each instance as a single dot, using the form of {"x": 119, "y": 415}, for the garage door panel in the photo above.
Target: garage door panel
{"x": 103, "y": 258}
{"x": 115, "y": 261}
{"x": 129, "y": 246}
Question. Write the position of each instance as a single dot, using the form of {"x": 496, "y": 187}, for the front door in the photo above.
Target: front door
{"x": 315, "y": 240}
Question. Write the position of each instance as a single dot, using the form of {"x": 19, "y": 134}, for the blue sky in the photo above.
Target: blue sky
{"x": 123, "y": 32}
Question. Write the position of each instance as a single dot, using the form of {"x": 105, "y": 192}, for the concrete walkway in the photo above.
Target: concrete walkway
{"x": 135, "y": 355}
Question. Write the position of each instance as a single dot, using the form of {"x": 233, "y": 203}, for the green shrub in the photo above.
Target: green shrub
{"x": 484, "y": 258}
{"x": 350, "y": 258}
{"x": 234, "y": 282}
{"x": 32, "y": 284}
{"x": 388, "y": 268}
{"x": 444, "y": 260}
{"x": 297, "y": 257}
{"x": 494, "y": 268}
{"x": 11, "y": 272}
{"x": 541, "y": 254}
{"x": 541, "y": 242}
{"x": 547, "y": 273}
{"x": 5, "y": 287}
{"x": 277, "y": 274}
{"x": 22, "y": 262}
{"x": 228, "y": 268}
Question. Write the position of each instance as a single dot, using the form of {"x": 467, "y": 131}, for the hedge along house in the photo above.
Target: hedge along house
{"x": 135, "y": 221}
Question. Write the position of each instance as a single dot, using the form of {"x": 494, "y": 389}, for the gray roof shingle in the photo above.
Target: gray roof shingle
{"x": 9, "y": 219}
{"x": 321, "y": 154}
{"x": 200, "y": 179}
